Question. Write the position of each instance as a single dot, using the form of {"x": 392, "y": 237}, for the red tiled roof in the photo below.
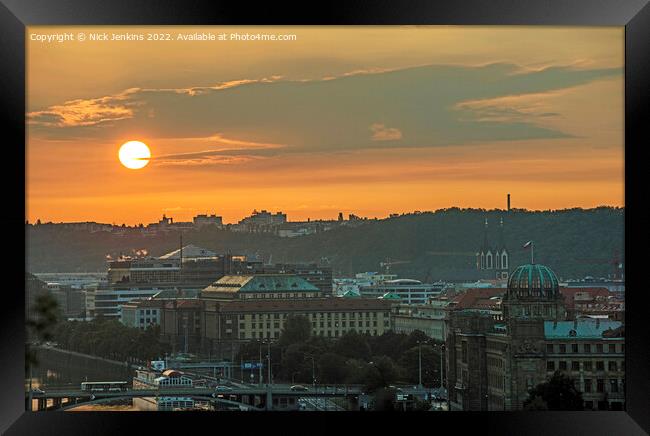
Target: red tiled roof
{"x": 570, "y": 293}
{"x": 470, "y": 298}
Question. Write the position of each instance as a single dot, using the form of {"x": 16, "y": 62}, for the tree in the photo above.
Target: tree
{"x": 381, "y": 372}
{"x": 353, "y": 345}
{"x": 430, "y": 365}
{"x": 297, "y": 328}
{"x": 332, "y": 368}
{"x": 41, "y": 327}
{"x": 559, "y": 393}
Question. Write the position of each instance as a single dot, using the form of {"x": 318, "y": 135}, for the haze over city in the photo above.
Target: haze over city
{"x": 370, "y": 121}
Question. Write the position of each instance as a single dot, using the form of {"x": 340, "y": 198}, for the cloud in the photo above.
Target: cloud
{"x": 382, "y": 133}
{"x": 88, "y": 112}
{"x": 438, "y": 105}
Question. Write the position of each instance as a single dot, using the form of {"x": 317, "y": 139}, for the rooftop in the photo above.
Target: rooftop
{"x": 260, "y": 283}
{"x": 189, "y": 252}
{"x": 581, "y": 329}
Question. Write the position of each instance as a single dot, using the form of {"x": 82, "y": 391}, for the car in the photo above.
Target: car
{"x": 223, "y": 388}
{"x": 299, "y": 388}
{"x": 37, "y": 391}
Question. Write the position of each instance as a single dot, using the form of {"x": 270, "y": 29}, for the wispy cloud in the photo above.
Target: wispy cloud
{"x": 87, "y": 112}
{"x": 382, "y": 133}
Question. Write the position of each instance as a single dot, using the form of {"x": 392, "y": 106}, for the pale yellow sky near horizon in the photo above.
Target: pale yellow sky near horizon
{"x": 367, "y": 120}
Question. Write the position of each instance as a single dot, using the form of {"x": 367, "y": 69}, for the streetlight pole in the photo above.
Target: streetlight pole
{"x": 260, "y": 366}
{"x": 269, "y": 387}
{"x": 442, "y": 350}
{"x": 419, "y": 364}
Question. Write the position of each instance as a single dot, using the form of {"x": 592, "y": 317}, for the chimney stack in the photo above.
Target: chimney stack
{"x": 508, "y": 202}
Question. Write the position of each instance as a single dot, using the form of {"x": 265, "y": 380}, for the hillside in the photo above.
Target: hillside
{"x": 433, "y": 245}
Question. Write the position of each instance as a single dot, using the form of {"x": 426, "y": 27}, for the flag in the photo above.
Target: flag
{"x": 527, "y": 244}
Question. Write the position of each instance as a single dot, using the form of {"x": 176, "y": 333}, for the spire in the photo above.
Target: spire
{"x": 502, "y": 244}
{"x": 485, "y": 236}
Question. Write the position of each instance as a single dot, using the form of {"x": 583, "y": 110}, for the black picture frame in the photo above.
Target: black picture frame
{"x": 15, "y": 15}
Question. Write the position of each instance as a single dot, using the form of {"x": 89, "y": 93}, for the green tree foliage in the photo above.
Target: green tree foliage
{"x": 563, "y": 240}
{"x": 382, "y": 371}
{"x": 39, "y": 328}
{"x": 332, "y": 368}
{"x": 430, "y": 365}
{"x": 110, "y": 339}
{"x": 297, "y": 328}
{"x": 559, "y": 393}
{"x": 353, "y": 345}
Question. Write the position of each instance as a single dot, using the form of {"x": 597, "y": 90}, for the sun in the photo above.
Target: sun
{"x": 134, "y": 155}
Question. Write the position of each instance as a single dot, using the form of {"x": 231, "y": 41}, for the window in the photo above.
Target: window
{"x": 600, "y": 385}
{"x": 464, "y": 352}
{"x": 613, "y": 385}
{"x": 550, "y": 365}
{"x": 352, "y": 324}
{"x": 587, "y": 366}
{"x": 276, "y": 325}
{"x": 599, "y": 348}
{"x": 600, "y": 365}
{"x": 562, "y": 348}
{"x": 575, "y": 366}
{"x": 562, "y": 365}
{"x": 612, "y": 348}
{"x": 587, "y": 385}
{"x": 549, "y": 348}
{"x": 574, "y": 348}
{"x": 587, "y": 348}
{"x": 612, "y": 365}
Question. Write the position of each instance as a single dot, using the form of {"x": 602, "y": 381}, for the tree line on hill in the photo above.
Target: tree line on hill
{"x": 427, "y": 246}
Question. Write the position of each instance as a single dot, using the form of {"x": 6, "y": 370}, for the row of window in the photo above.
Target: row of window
{"x": 334, "y": 315}
{"x": 327, "y": 333}
{"x": 615, "y": 385}
{"x": 587, "y": 366}
{"x": 586, "y": 348}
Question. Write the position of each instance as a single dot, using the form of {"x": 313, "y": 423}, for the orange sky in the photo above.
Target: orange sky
{"x": 363, "y": 120}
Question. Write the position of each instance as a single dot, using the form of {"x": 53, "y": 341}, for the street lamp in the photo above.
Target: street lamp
{"x": 269, "y": 399}
{"x": 419, "y": 364}
{"x": 313, "y": 370}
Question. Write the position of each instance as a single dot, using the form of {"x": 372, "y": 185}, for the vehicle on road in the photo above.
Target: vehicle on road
{"x": 104, "y": 386}
{"x": 299, "y": 388}
{"x": 223, "y": 388}
{"x": 37, "y": 391}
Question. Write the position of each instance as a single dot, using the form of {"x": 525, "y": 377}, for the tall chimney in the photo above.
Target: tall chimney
{"x": 508, "y": 202}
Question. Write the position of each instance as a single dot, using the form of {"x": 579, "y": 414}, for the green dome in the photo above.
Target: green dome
{"x": 533, "y": 281}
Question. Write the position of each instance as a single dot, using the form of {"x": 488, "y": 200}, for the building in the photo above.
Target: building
{"x": 408, "y": 290}
{"x": 207, "y": 220}
{"x": 239, "y": 309}
{"x": 71, "y": 301}
{"x": 247, "y": 320}
{"x": 493, "y": 259}
{"x": 315, "y": 274}
{"x": 260, "y": 286}
{"x": 262, "y": 221}
{"x": 430, "y": 319}
{"x": 141, "y": 314}
{"x": 492, "y": 364}
{"x": 169, "y": 378}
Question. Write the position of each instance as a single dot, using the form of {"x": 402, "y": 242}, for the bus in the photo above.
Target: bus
{"x": 115, "y": 386}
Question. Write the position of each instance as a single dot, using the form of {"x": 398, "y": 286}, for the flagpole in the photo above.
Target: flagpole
{"x": 532, "y": 248}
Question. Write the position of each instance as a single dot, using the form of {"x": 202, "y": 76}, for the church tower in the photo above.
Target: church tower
{"x": 493, "y": 258}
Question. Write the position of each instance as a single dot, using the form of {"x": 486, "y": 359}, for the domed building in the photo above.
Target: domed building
{"x": 533, "y": 292}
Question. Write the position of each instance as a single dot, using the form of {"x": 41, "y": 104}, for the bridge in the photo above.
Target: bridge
{"x": 67, "y": 398}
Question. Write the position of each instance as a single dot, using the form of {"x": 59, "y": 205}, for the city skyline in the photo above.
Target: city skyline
{"x": 366, "y": 120}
